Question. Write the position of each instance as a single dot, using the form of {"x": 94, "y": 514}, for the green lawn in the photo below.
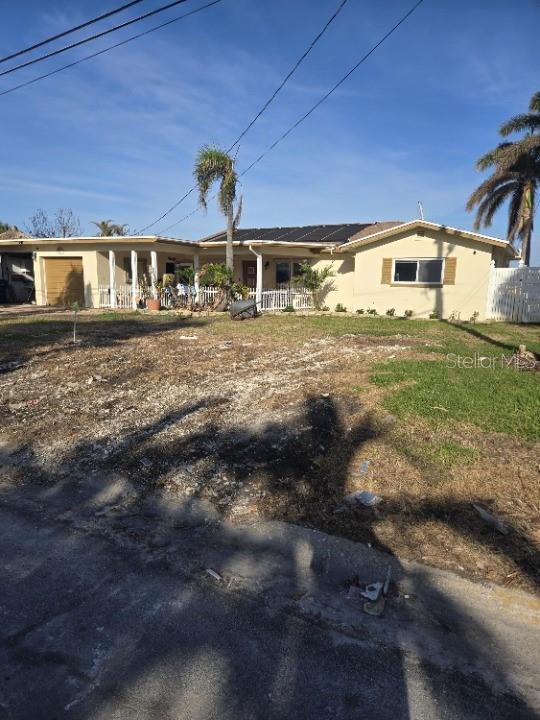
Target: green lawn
{"x": 499, "y": 400}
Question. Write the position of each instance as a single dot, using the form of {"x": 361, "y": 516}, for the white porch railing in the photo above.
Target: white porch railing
{"x": 123, "y": 296}
{"x": 276, "y": 299}
{"x": 279, "y": 299}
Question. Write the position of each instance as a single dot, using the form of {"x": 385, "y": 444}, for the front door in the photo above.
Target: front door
{"x": 250, "y": 273}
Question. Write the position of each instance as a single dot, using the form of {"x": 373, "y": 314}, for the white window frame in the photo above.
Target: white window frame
{"x": 417, "y": 260}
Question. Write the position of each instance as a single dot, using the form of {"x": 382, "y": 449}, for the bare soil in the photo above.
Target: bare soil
{"x": 265, "y": 425}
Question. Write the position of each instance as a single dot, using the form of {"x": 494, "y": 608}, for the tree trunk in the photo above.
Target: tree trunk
{"x": 229, "y": 252}
{"x": 527, "y": 220}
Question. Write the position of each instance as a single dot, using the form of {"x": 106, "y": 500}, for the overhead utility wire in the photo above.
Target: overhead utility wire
{"x": 111, "y": 47}
{"x": 90, "y": 38}
{"x": 71, "y": 30}
{"x": 317, "y": 104}
{"x": 262, "y": 110}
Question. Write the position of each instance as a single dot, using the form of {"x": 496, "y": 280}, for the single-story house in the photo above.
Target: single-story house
{"x": 418, "y": 265}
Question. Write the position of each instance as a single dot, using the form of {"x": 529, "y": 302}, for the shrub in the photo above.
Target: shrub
{"x": 391, "y": 312}
{"x": 434, "y": 315}
{"x": 240, "y": 291}
{"x": 325, "y": 308}
{"x": 316, "y": 281}
{"x": 474, "y": 316}
{"x": 408, "y": 314}
{"x": 288, "y": 308}
{"x": 371, "y": 311}
{"x": 360, "y": 311}
{"x": 341, "y": 308}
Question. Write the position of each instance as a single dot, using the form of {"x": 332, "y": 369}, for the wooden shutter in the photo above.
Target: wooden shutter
{"x": 450, "y": 271}
{"x": 386, "y": 274}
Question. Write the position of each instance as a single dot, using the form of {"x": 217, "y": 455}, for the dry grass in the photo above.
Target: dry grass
{"x": 273, "y": 418}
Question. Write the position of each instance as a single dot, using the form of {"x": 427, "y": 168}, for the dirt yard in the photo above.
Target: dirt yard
{"x": 278, "y": 417}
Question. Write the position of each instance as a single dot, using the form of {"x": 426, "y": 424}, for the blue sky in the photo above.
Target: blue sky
{"x": 116, "y": 137}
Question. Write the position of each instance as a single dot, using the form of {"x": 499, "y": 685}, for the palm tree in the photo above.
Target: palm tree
{"x": 107, "y": 228}
{"x": 515, "y": 178}
{"x": 215, "y": 165}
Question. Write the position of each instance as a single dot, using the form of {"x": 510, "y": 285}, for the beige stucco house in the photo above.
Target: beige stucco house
{"x": 418, "y": 265}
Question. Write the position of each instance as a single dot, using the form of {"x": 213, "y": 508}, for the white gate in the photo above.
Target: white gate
{"x": 514, "y": 294}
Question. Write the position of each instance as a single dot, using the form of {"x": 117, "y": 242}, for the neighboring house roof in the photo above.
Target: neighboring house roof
{"x": 395, "y": 229}
{"x": 14, "y": 235}
{"x": 303, "y": 234}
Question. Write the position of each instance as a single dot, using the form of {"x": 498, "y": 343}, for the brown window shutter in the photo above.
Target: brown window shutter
{"x": 386, "y": 275}
{"x": 450, "y": 271}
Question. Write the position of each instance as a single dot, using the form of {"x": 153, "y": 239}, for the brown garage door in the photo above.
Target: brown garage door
{"x": 64, "y": 281}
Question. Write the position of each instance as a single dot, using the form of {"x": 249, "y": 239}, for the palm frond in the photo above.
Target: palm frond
{"x": 490, "y": 158}
{"x": 519, "y": 123}
{"x": 534, "y": 103}
{"x": 491, "y": 203}
{"x": 214, "y": 165}
{"x": 489, "y": 186}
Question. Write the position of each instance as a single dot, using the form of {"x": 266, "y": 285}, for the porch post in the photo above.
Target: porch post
{"x": 196, "y": 280}
{"x": 153, "y": 272}
{"x": 112, "y": 279}
{"x": 134, "y": 280}
{"x": 259, "y": 288}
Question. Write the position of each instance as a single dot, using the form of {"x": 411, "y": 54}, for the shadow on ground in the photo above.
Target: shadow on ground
{"x": 96, "y": 628}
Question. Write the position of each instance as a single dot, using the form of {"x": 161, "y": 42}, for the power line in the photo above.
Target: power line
{"x": 332, "y": 90}
{"x": 318, "y": 103}
{"x": 71, "y": 30}
{"x": 92, "y": 37}
{"x": 289, "y": 74}
{"x": 263, "y": 108}
{"x": 111, "y": 47}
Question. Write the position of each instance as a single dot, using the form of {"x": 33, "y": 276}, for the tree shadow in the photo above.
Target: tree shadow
{"x": 103, "y": 625}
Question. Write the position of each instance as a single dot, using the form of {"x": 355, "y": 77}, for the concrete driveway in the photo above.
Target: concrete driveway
{"x": 108, "y": 612}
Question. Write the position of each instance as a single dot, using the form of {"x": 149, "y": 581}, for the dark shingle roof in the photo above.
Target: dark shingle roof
{"x": 305, "y": 234}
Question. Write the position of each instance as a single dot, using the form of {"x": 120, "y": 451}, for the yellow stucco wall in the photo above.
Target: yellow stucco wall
{"x": 466, "y": 296}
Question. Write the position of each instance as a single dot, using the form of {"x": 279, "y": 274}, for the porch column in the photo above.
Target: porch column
{"x": 196, "y": 279}
{"x": 259, "y": 287}
{"x": 112, "y": 278}
{"x": 134, "y": 280}
{"x": 153, "y": 272}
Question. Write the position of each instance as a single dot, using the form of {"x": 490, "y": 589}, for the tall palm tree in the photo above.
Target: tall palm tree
{"x": 515, "y": 178}
{"x": 215, "y": 165}
{"x": 107, "y": 228}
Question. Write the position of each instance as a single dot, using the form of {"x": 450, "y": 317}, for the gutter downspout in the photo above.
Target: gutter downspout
{"x": 258, "y": 289}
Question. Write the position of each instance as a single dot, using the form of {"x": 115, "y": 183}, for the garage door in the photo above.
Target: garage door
{"x": 64, "y": 281}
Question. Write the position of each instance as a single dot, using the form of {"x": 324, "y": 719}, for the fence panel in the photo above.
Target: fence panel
{"x": 514, "y": 295}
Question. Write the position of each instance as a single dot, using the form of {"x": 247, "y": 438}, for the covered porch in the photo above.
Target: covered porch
{"x": 268, "y": 274}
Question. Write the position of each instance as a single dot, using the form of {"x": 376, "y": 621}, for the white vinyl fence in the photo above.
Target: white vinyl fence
{"x": 514, "y": 294}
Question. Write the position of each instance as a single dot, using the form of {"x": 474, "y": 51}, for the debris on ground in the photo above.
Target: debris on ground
{"x": 490, "y": 519}
{"x": 372, "y": 591}
{"x": 380, "y": 591}
{"x": 214, "y": 574}
{"x": 363, "y": 497}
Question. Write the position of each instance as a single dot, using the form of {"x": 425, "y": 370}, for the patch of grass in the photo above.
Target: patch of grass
{"x": 436, "y": 458}
{"x": 496, "y": 400}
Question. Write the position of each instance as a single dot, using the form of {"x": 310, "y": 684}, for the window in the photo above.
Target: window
{"x": 286, "y": 270}
{"x": 421, "y": 271}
